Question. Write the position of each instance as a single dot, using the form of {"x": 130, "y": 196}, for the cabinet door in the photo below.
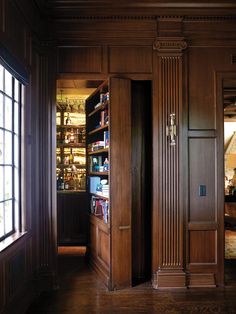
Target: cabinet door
{"x": 120, "y": 182}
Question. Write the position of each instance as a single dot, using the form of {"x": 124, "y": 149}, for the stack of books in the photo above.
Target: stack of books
{"x": 96, "y": 146}
{"x": 105, "y": 190}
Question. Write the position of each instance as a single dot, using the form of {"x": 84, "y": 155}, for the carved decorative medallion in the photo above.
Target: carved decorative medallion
{"x": 169, "y": 44}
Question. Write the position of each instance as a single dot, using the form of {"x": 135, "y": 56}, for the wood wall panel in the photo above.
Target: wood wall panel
{"x": 2, "y": 16}
{"x": 106, "y": 31}
{"x": 202, "y": 247}
{"x": 15, "y": 30}
{"x": 72, "y": 218}
{"x": 99, "y": 248}
{"x": 201, "y": 90}
{"x": 17, "y": 264}
{"x": 16, "y": 272}
{"x": 202, "y": 171}
{"x": 204, "y": 62}
{"x": 130, "y": 59}
{"x": 103, "y": 246}
{"x": 120, "y": 182}
{"x": 79, "y": 59}
{"x": 2, "y": 285}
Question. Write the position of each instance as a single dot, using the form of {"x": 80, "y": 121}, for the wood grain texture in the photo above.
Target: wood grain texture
{"x": 72, "y": 218}
{"x": 16, "y": 272}
{"x": 202, "y": 247}
{"x": 170, "y": 227}
{"x": 85, "y": 293}
{"x": 15, "y": 28}
{"x": 79, "y": 59}
{"x": 130, "y": 59}
{"x": 202, "y": 170}
{"x": 201, "y": 280}
{"x": 63, "y": 9}
{"x": 2, "y": 16}
{"x": 202, "y": 108}
{"x": 106, "y": 31}
{"x": 21, "y": 259}
{"x": 99, "y": 248}
{"x": 2, "y": 284}
{"x": 120, "y": 182}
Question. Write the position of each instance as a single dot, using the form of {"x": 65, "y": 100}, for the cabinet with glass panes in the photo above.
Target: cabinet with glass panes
{"x": 71, "y": 151}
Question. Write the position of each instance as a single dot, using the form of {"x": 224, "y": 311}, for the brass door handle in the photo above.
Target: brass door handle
{"x": 171, "y": 129}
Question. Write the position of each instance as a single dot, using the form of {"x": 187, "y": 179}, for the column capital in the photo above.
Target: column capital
{"x": 169, "y": 44}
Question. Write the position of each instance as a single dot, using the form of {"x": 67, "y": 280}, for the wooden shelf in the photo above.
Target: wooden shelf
{"x": 75, "y": 164}
{"x": 98, "y": 129}
{"x": 71, "y": 126}
{"x": 71, "y": 145}
{"x": 100, "y": 173}
{"x": 100, "y": 196}
{"x": 102, "y": 106}
{"x": 99, "y": 151}
{"x": 70, "y": 191}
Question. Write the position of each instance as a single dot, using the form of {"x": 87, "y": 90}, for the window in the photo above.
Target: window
{"x": 10, "y": 118}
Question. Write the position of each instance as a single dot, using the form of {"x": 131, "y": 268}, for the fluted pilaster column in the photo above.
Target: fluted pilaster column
{"x": 169, "y": 62}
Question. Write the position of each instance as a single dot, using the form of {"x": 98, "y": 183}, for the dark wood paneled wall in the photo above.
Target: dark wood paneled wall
{"x": 28, "y": 266}
{"x": 191, "y": 55}
{"x": 72, "y": 218}
{"x": 188, "y": 53}
{"x": 205, "y": 161}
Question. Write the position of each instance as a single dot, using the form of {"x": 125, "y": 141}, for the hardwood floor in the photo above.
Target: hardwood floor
{"x": 81, "y": 292}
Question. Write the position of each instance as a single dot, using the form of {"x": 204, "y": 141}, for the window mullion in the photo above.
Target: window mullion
{"x": 13, "y": 155}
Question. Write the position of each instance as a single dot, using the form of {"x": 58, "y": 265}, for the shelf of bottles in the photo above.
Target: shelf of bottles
{"x": 97, "y": 112}
{"x": 71, "y": 151}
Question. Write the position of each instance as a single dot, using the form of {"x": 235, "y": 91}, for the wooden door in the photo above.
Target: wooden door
{"x": 120, "y": 183}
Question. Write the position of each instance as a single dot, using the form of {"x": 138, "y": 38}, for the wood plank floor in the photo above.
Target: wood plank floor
{"x": 81, "y": 291}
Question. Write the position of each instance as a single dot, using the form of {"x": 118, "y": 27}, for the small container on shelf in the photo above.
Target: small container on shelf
{"x": 68, "y": 119}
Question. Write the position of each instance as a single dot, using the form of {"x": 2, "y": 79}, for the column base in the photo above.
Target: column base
{"x": 169, "y": 279}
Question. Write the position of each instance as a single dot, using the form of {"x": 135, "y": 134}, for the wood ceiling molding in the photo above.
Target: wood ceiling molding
{"x": 85, "y": 8}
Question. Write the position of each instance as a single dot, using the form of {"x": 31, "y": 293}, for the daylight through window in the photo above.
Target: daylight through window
{"x": 10, "y": 117}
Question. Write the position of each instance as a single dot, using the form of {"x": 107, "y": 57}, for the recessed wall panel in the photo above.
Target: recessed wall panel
{"x": 202, "y": 247}
{"x": 103, "y": 246}
{"x": 201, "y": 89}
{"x": 202, "y": 179}
{"x": 125, "y": 59}
{"x": 80, "y": 59}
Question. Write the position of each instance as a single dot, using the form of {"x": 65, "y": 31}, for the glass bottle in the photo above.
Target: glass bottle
{"x": 68, "y": 119}
{"x": 71, "y": 158}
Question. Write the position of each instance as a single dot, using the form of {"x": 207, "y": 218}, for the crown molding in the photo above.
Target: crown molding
{"x": 198, "y": 18}
{"x": 59, "y": 9}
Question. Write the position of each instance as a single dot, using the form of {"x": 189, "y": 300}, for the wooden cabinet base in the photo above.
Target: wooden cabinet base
{"x": 99, "y": 248}
{"x": 72, "y": 218}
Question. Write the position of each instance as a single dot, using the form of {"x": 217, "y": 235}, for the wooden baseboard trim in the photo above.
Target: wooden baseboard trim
{"x": 169, "y": 279}
{"x": 201, "y": 280}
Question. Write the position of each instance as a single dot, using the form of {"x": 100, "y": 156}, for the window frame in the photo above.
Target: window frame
{"x": 16, "y": 159}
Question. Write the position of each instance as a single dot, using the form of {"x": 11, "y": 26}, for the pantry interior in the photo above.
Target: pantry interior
{"x": 95, "y": 160}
